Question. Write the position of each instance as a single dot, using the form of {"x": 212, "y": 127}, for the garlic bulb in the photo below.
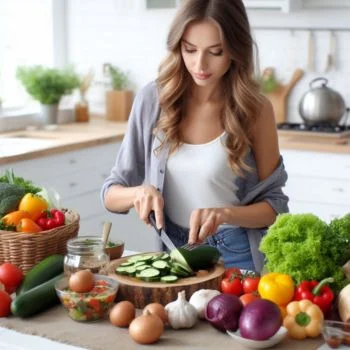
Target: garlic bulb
{"x": 201, "y": 298}
{"x": 181, "y": 314}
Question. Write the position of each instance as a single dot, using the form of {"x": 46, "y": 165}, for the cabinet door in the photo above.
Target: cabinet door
{"x": 282, "y": 5}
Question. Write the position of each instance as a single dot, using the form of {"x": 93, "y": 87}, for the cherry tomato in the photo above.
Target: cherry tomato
{"x": 231, "y": 270}
{"x": 248, "y": 298}
{"x": 5, "y": 304}
{"x": 11, "y": 276}
{"x": 232, "y": 285}
{"x": 250, "y": 283}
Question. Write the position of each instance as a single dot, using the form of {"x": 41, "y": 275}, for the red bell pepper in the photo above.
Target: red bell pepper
{"x": 318, "y": 293}
{"x": 50, "y": 219}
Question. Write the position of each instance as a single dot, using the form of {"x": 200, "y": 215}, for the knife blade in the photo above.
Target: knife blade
{"x": 162, "y": 234}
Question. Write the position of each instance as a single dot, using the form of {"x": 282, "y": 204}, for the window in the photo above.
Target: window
{"x": 30, "y": 33}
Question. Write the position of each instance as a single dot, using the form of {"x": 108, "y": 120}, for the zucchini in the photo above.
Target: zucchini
{"x": 36, "y": 299}
{"x": 201, "y": 257}
{"x": 42, "y": 272}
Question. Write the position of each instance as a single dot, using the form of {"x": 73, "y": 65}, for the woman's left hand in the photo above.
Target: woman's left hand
{"x": 204, "y": 223}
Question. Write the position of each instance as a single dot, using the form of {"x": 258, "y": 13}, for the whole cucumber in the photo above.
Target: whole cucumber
{"x": 42, "y": 272}
{"x": 36, "y": 299}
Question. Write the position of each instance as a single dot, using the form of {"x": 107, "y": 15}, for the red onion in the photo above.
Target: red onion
{"x": 223, "y": 312}
{"x": 260, "y": 320}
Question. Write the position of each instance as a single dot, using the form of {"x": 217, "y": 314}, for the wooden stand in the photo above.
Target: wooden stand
{"x": 118, "y": 104}
{"x": 279, "y": 97}
{"x": 141, "y": 293}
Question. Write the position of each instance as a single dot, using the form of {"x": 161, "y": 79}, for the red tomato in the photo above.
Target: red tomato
{"x": 250, "y": 284}
{"x": 232, "y": 285}
{"x": 11, "y": 276}
{"x": 232, "y": 270}
{"x": 248, "y": 298}
{"x": 5, "y": 304}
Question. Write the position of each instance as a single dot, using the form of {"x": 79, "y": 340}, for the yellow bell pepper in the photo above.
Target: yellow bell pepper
{"x": 34, "y": 204}
{"x": 276, "y": 287}
{"x": 304, "y": 319}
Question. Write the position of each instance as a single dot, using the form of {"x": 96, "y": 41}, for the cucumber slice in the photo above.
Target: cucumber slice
{"x": 142, "y": 267}
{"x": 130, "y": 270}
{"x": 161, "y": 265}
{"x": 145, "y": 258}
{"x": 121, "y": 270}
{"x": 165, "y": 256}
{"x": 126, "y": 263}
{"x": 179, "y": 272}
{"x": 169, "y": 279}
{"x": 150, "y": 273}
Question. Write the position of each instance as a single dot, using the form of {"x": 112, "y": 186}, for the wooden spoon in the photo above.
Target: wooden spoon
{"x": 105, "y": 232}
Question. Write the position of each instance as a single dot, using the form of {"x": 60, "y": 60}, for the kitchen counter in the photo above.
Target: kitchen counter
{"x": 23, "y": 145}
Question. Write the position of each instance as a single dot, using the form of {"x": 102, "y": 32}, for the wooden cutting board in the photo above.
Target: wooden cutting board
{"x": 279, "y": 97}
{"x": 141, "y": 293}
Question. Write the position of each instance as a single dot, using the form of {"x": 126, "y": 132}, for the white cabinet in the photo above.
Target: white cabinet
{"x": 318, "y": 183}
{"x": 281, "y": 5}
{"x": 78, "y": 177}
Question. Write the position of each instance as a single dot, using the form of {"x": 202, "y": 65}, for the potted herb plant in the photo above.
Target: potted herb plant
{"x": 119, "y": 99}
{"x": 47, "y": 85}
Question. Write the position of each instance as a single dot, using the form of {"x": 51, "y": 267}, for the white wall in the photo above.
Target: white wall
{"x": 124, "y": 33}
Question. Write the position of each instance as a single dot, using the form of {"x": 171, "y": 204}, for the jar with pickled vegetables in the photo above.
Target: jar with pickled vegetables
{"x": 86, "y": 252}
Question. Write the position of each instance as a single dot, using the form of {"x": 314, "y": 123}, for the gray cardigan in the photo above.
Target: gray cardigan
{"x": 137, "y": 163}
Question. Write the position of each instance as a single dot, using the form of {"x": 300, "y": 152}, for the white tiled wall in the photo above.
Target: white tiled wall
{"x": 124, "y": 33}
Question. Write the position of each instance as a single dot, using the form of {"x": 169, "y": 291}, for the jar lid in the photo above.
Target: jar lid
{"x": 85, "y": 245}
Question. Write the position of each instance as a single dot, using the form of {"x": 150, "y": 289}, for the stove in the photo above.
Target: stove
{"x": 328, "y": 130}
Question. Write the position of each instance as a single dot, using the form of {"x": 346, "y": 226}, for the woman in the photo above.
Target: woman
{"x": 201, "y": 148}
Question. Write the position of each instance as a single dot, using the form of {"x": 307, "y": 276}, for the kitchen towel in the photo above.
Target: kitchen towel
{"x": 55, "y": 324}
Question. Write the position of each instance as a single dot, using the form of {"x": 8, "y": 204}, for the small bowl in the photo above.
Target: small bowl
{"x": 260, "y": 344}
{"x": 336, "y": 333}
{"x": 115, "y": 251}
{"x": 91, "y": 306}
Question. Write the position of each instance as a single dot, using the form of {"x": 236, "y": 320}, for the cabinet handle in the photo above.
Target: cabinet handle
{"x": 338, "y": 189}
{"x": 72, "y": 184}
{"x": 72, "y": 161}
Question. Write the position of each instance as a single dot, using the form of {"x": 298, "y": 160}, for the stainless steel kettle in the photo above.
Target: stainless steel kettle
{"x": 321, "y": 104}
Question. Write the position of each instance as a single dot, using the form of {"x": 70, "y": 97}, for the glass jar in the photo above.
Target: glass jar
{"x": 86, "y": 252}
{"x": 81, "y": 109}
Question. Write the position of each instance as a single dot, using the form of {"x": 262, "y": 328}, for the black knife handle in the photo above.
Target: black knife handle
{"x": 152, "y": 219}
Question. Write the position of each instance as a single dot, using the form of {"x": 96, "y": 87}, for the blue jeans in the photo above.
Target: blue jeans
{"x": 232, "y": 242}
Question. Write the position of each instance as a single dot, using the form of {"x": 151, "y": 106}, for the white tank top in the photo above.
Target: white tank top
{"x": 198, "y": 176}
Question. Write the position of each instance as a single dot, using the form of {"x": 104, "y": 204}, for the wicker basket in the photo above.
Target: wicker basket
{"x": 27, "y": 249}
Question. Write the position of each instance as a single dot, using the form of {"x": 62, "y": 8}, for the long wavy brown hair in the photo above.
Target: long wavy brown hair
{"x": 243, "y": 100}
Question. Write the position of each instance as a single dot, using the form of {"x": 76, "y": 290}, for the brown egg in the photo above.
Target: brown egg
{"x": 122, "y": 314}
{"x": 81, "y": 281}
{"x": 146, "y": 329}
{"x": 158, "y": 310}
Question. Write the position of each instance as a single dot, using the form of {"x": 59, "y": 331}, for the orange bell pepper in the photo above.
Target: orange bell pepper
{"x": 276, "y": 287}
{"x": 27, "y": 225}
{"x": 14, "y": 217}
{"x": 33, "y": 204}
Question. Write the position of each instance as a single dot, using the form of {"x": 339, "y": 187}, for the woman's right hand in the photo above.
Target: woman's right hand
{"x": 148, "y": 198}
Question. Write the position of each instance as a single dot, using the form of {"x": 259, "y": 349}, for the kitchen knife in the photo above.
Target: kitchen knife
{"x": 162, "y": 234}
